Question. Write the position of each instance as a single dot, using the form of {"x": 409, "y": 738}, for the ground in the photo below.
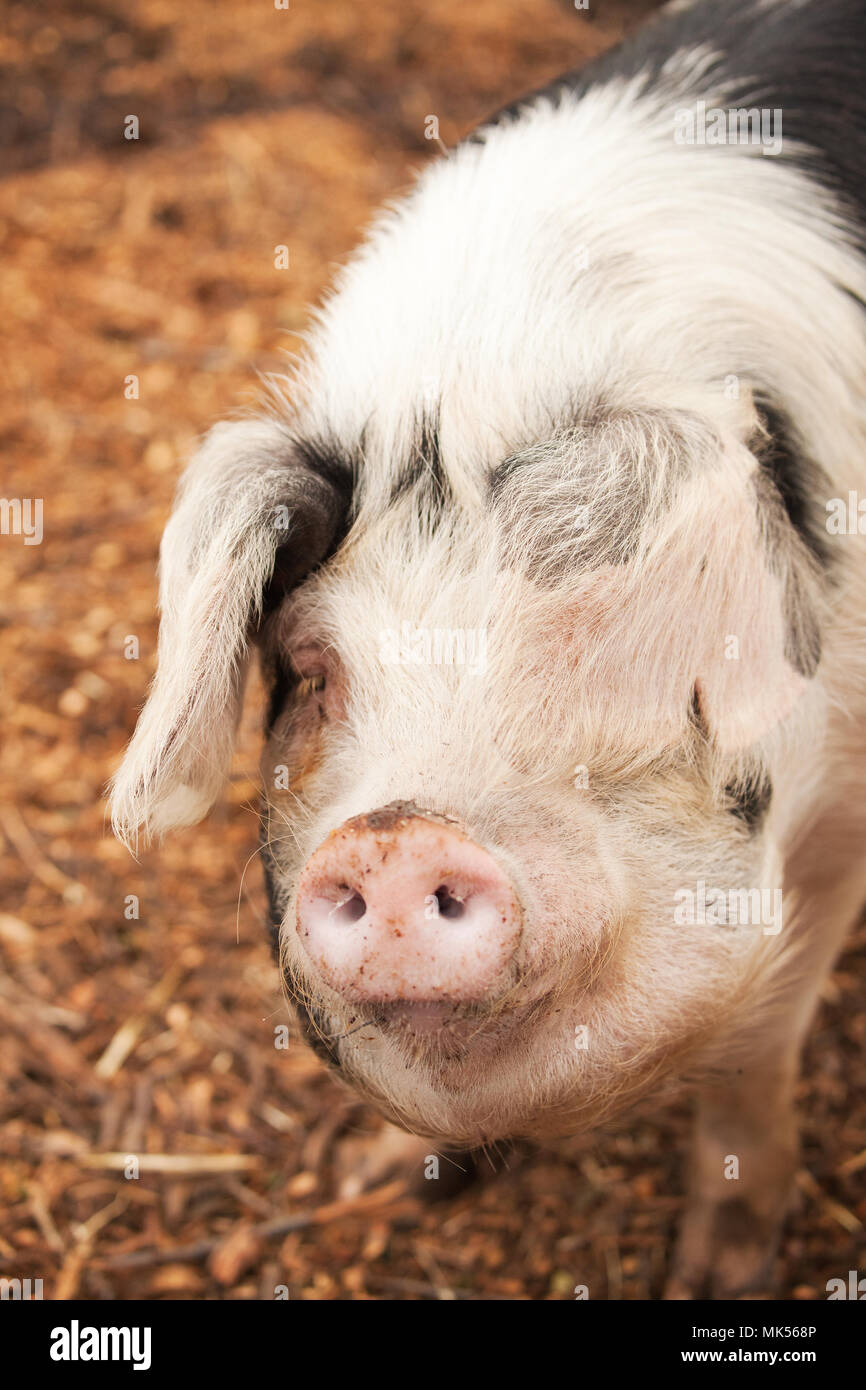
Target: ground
{"x": 153, "y": 1034}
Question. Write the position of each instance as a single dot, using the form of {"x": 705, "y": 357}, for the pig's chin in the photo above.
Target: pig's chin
{"x": 442, "y": 1034}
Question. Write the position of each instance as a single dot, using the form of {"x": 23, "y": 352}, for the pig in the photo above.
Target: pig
{"x": 540, "y": 550}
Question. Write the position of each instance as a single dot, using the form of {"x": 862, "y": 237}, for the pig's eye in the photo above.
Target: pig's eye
{"x": 317, "y": 683}
{"x": 309, "y": 684}
{"x": 309, "y": 667}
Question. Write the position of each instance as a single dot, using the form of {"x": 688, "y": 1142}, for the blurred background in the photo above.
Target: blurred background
{"x": 138, "y": 1000}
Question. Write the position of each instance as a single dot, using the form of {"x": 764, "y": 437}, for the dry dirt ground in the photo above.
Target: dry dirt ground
{"x": 155, "y": 1035}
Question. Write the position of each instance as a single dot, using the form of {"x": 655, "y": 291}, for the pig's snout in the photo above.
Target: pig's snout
{"x": 399, "y": 905}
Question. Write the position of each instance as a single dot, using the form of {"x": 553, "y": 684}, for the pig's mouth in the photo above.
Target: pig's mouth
{"x": 431, "y": 1029}
{"x": 439, "y": 1033}
{"x": 422, "y": 1017}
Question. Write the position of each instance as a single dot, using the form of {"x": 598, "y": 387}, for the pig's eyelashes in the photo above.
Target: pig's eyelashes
{"x": 317, "y": 683}
{"x": 309, "y": 685}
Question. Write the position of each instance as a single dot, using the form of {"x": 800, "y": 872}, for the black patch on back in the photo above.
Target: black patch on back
{"x": 807, "y": 60}
{"x": 424, "y": 473}
{"x": 750, "y": 800}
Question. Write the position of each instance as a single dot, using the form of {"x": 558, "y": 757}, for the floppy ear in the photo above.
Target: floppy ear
{"x": 760, "y": 656}
{"x": 254, "y": 512}
{"x": 721, "y": 599}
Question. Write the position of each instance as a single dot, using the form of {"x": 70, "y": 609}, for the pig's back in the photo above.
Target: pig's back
{"x": 572, "y": 249}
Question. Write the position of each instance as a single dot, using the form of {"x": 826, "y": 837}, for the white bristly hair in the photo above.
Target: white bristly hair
{"x": 590, "y": 316}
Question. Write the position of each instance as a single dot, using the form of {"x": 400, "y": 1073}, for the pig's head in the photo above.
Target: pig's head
{"x": 520, "y": 711}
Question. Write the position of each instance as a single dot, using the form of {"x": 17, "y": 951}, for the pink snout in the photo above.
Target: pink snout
{"x": 401, "y": 905}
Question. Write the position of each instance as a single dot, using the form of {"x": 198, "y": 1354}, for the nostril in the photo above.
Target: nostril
{"x": 449, "y": 905}
{"x": 417, "y": 912}
{"x": 350, "y": 910}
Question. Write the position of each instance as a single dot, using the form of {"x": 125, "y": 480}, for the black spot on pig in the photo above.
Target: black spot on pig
{"x": 339, "y": 467}
{"x": 802, "y": 631}
{"x": 320, "y": 483}
{"x": 799, "y": 480}
{"x": 586, "y": 496}
{"x": 424, "y": 474}
{"x": 750, "y": 799}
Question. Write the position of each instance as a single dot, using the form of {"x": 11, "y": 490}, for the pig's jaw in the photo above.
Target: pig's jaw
{"x": 466, "y": 1081}
{"x": 467, "y": 1076}
{"x": 503, "y": 1080}
{"x": 605, "y": 998}
{"x": 445, "y": 1039}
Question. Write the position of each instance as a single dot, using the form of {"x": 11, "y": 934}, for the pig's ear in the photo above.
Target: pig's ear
{"x": 256, "y": 511}
{"x": 765, "y": 573}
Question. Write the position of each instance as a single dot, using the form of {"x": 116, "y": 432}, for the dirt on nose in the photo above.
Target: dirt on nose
{"x": 395, "y": 814}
